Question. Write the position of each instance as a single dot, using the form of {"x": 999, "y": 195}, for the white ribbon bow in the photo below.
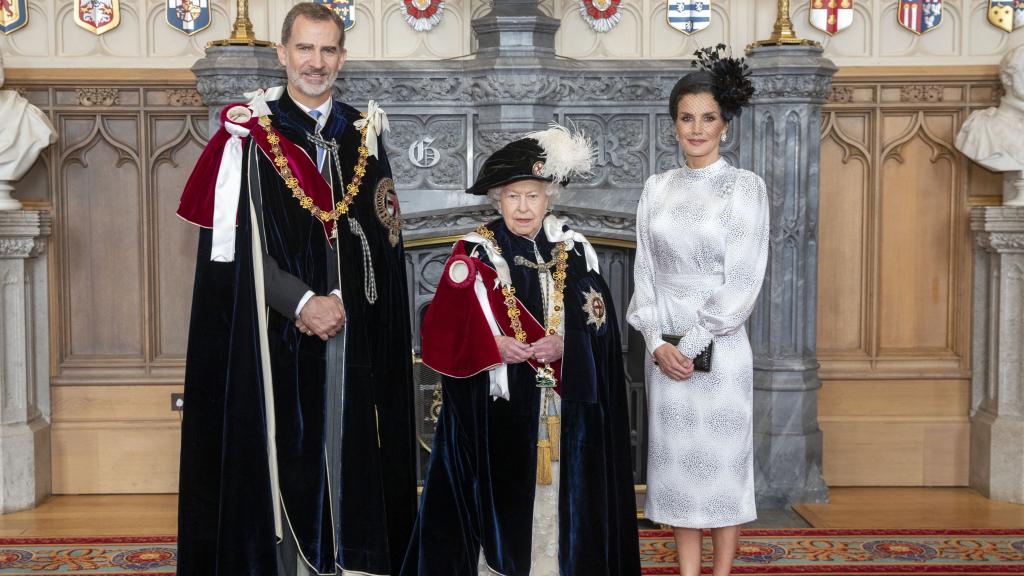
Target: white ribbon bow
{"x": 258, "y": 99}
{"x": 376, "y": 121}
{"x": 228, "y": 187}
{"x": 553, "y": 229}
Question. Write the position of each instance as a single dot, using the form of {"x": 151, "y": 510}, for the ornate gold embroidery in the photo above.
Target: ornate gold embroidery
{"x": 351, "y": 191}
{"x": 391, "y": 221}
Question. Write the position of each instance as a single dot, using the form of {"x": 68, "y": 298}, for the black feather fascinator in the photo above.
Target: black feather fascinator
{"x": 730, "y": 84}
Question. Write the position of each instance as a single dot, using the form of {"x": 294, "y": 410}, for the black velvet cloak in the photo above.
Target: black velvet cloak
{"x": 481, "y": 481}
{"x": 226, "y": 525}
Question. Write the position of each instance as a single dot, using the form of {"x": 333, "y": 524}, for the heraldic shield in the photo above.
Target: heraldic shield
{"x": 689, "y": 16}
{"x": 188, "y": 16}
{"x": 13, "y": 15}
{"x": 98, "y": 16}
{"x": 345, "y": 9}
{"x": 920, "y": 16}
{"x": 1007, "y": 15}
{"x": 831, "y": 16}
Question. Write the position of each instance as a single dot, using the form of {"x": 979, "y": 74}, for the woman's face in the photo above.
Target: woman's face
{"x": 523, "y": 205}
{"x": 699, "y": 128}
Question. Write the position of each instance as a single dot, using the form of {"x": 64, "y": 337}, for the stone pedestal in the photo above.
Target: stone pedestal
{"x": 997, "y": 384}
{"x": 24, "y": 357}
{"x": 782, "y": 136}
{"x": 228, "y": 72}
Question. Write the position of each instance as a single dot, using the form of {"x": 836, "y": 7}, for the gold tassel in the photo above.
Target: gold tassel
{"x": 554, "y": 425}
{"x": 544, "y": 462}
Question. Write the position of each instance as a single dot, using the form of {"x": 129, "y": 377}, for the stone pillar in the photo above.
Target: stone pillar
{"x": 784, "y": 128}
{"x": 997, "y": 411}
{"x": 514, "y": 86}
{"x": 226, "y": 73}
{"x": 25, "y": 360}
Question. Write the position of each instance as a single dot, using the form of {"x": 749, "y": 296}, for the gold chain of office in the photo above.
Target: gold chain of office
{"x": 554, "y": 319}
{"x": 281, "y": 164}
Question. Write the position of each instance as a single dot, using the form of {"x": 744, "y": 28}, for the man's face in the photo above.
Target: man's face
{"x": 312, "y": 59}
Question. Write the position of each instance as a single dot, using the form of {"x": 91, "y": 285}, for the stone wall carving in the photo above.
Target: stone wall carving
{"x": 443, "y": 136}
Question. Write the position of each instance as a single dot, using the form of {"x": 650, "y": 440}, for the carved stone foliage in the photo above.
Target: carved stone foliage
{"x": 184, "y": 97}
{"x": 840, "y": 95}
{"x": 428, "y": 152}
{"x": 780, "y": 86}
{"x": 668, "y": 153}
{"x": 626, "y": 89}
{"x": 516, "y": 87}
{"x": 921, "y": 93}
{"x": 89, "y": 97}
{"x": 449, "y": 223}
{"x": 1000, "y": 241}
{"x": 488, "y": 142}
{"x": 622, "y": 148}
{"x": 355, "y": 89}
{"x": 220, "y": 90}
{"x": 21, "y": 247}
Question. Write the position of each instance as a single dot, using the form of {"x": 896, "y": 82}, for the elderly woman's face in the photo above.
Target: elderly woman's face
{"x": 523, "y": 205}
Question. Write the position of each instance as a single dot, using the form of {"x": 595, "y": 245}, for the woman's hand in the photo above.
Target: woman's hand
{"x": 548, "y": 349}
{"x": 512, "y": 351}
{"x": 672, "y": 363}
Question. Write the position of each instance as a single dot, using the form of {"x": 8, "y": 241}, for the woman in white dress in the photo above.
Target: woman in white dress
{"x": 702, "y": 248}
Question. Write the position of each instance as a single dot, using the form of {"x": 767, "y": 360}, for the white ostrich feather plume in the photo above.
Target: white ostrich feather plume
{"x": 567, "y": 155}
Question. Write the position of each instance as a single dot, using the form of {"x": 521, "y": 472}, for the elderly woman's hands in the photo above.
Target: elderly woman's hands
{"x": 548, "y": 349}
{"x": 672, "y": 363}
{"x": 512, "y": 351}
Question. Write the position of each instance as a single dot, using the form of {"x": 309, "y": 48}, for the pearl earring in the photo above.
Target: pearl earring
{"x": 724, "y": 136}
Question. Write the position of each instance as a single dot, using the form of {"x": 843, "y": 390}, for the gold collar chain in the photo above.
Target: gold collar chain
{"x": 281, "y": 164}
{"x": 545, "y": 376}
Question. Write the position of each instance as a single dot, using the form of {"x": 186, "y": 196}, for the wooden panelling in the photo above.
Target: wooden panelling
{"x": 121, "y": 268}
{"x": 894, "y": 276}
{"x": 115, "y": 440}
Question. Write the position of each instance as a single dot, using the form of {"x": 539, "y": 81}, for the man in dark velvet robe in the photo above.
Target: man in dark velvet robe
{"x": 488, "y": 502}
{"x": 298, "y": 451}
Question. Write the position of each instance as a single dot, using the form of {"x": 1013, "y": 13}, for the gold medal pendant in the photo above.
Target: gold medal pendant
{"x": 546, "y": 377}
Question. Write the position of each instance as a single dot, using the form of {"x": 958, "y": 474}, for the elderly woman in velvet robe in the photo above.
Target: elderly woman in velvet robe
{"x": 530, "y": 471}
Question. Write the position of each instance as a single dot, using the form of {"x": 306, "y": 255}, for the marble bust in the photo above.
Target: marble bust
{"x": 24, "y": 133}
{"x": 992, "y": 137}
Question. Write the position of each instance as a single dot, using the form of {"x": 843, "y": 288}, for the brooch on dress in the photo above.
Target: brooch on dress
{"x": 594, "y": 307}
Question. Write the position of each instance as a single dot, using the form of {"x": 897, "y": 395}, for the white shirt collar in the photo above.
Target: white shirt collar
{"x": 324, "y": 109}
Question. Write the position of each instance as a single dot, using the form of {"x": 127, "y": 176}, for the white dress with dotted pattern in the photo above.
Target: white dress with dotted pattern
{"x": 702, "y": 248}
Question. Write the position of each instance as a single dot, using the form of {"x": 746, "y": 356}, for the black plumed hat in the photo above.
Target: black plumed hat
{"x": 553, "y": 155}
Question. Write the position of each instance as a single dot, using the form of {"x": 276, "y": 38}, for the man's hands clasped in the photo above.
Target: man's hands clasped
{"x": 323, "y": 316}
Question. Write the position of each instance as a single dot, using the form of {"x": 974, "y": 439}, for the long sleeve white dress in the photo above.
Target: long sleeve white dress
{"x": 702, "y": 248}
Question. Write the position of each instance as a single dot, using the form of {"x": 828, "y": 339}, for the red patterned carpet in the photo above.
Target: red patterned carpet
{"x": 862, "y": 552}
{"x": 775, "y": 552}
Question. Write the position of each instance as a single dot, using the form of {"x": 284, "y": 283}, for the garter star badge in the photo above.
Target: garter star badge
{"x": 920, "y": 16}
{"x": 188, "y": 16}
{"x": 13, "y": 15}
{"x": 98, "y": 16}
{"x": 423, "y": 15}
{"x": 831, "y": 16}
{"x": 689, "y": 16}
{"x": 601, "y": 15}
{"x": 345, "y": 9}
{"x": 594, "y": 307}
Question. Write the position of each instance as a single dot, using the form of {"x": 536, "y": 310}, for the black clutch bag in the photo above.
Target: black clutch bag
{"x": 702, "y": 363}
